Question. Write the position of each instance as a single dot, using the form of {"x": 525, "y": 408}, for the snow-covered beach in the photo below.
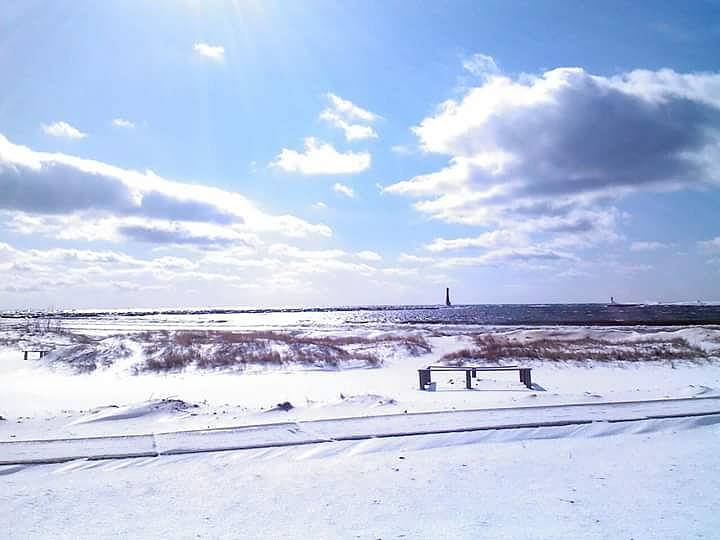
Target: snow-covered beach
{"x": 368, "y": 270}
{"x": 349, "y": 436}
{"x": 651, "y": 484}
{"x": 96, "y": 378}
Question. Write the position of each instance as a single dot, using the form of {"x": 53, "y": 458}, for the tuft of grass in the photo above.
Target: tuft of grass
{"x": 174, "y": 351}
{"x": 491, "y": 348}
{"x": 213, "y": 349}
{"x": 171, "y": 360}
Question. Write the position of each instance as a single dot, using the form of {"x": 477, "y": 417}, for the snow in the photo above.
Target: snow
{"x": 42, "y": 399}
{"x": 646, "y": 476}
{"x": 513, "y": 423}
{"x": 658, "y": 484}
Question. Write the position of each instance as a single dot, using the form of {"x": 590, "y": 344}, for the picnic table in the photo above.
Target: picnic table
{"x": 471, "y": 373}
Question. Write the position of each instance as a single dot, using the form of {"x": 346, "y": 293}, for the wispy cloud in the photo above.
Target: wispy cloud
{"x": 368, "y": 256}
{"x": 490, "y": 239}
{"x": 647, "y": 246}
{"x": 63, "y": 129}
{"x": 481, "y": 65}
{"x": 344, "y": 190}
{"x": 710, "y": 246}
{"x": 350, "y": 110}
{"x": 342, "y": 113}
{"x": 402, "y": 149}
{"x": 321, "y": 159}
{"x": 408, "y": 258}
{"x": 122, "y": 123}
{"x": 353, "y": 132}
{"x": 213, "y": 52}
{"x": 294, "y": 252}
{"x": 507, "y": 256}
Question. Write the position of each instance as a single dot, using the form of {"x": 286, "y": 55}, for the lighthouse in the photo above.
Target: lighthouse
{"x": 447, "y": 297}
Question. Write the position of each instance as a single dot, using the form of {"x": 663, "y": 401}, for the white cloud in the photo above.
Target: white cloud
{"x": 286, "y": 250}
{"x": 319, "y": 206}
{"x": 75, "y": 276}
{"x": 621, "y": 268}
{"x": 344, "y": 190}
{"x": 710, "y": 246}
{"x": 578, "y": 229}
{"x": 63, "y": 129}
{"x": 491, "y": 239}
{"x": 646, "y": 246}
{"x": 59, "y": 194}
{"x": 353, "y": 132}
{"x": 544, "y": 155}
{"x": 7, "y": 252}
{"x": 123, "y": 123}
{"x": 321, "y": 159}
{"x": 368, "y": 256}
{"x": 507, "y": 256}
{"x": 533, "y": 132}
{"x": 573, "y": 273}
{"x": 180, "y": 234}
{"x": 213, "y": 52}
{"x": 344, "y": 114}
{"x": 405, "y": 257}
{"x": 350, "y": 110}
{"x": 402, "y": 149}
{"x": 297, "y": 262}
{"x": 480, "y": 65}
{"x": 400, "y": 272}
{"x": 69, "y": 256}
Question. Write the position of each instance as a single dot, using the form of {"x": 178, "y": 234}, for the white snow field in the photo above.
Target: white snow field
{"x": 598, "y": 448}
{"x": 661, "y": 481}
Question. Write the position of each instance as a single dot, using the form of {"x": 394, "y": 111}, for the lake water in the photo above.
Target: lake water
{"x": 489, "y": 314}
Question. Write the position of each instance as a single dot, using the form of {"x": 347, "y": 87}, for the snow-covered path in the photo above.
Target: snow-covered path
{"x": 363, "y": 428}
{"x": 656, "y": 479}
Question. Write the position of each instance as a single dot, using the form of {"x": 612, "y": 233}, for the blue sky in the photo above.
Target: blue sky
{"x": 185, "y": 153}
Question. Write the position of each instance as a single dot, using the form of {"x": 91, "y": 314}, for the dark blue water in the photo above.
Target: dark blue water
{"x": 567, "y": 314}
{"x": 490, "y": 314}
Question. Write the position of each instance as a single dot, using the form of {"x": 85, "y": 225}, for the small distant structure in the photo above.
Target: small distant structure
{"x": 41, "y": 352}
{"x": 612, "y": 300}
{"x": 447, "y": 297}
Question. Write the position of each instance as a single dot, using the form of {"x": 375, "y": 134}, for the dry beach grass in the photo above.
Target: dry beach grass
{"x": 492, "y": 348}
{"x": 174, "y": 351}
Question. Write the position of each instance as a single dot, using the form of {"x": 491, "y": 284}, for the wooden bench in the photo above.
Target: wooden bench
{"x": 471, "y": 373}
{"x": 42, "y": 353}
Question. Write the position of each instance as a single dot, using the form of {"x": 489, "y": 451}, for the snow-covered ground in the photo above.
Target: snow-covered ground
{"x": 42, "y": 399}
{"x": 645, "y": 479}
{"x": 661, "y": 482}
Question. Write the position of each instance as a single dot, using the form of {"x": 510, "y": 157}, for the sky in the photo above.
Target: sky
{"x": 247, "y": 153}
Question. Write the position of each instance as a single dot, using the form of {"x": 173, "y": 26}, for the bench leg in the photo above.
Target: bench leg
{"x": 525, "y": 377}
{"x": 24, "y": 355}
{"x": 424, "y": 375}
{"x": 468, "y": 380}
